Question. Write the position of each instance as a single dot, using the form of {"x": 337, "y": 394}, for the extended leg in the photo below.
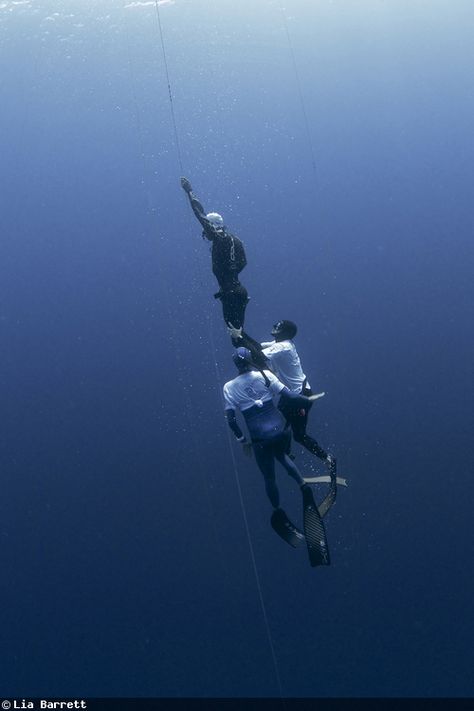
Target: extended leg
{"x": 265, "y": 455}
{"x": 285, "y": 461}
{"x": 312, "y": 446}
{"x": 234, "y": 304}
{"x": 266, "y": 464}
{"x": 299, "y": 421}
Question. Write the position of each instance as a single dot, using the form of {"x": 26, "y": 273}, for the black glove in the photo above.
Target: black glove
{"x": 186, "y": 185}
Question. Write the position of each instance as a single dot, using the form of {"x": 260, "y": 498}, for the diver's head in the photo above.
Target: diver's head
{"x": 215, "y": 220}
{"x": 284, "y": 330}
{"x": 243, "y": 359}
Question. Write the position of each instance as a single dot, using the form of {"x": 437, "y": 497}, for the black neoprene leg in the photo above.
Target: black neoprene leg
{"x": 234, "y": 304}
{"x": 266, "y": 463}
{"x": 280, "y": 450}
{"x": 312, "y": 446}
{"x": 298, "y": 425}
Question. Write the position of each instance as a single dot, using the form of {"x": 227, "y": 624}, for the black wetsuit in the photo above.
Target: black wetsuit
{"x": 228, "y": 260}
{"x": 297, "y": 418}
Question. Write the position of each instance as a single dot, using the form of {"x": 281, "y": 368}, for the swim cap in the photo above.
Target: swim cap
{"x": 242, "y": 356}
{"x": 284, "y": 330}
{"x": 215, "y": 220}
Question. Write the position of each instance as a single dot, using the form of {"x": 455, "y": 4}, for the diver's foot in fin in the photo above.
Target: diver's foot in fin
{"x": 282, "y": 525}
{"x": 314, "y": 532}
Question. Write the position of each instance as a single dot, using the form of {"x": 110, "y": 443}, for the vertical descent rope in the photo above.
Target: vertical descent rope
{"x": 247, "y": 531}
{"x": 167, "y": 300}
{"x": 300, "y": 91}
{"x": 170, "y": 94}
{"x": 234, "y": 463}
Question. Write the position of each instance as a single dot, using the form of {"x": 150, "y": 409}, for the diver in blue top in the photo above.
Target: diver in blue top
{"x": 228, "y": 260}
{"x": 252, "y": 393}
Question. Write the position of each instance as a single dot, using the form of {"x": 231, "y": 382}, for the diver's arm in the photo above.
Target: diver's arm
{"x": 258, "y": 357}
{"x": 197, "y": 208}
{"x": 232, "y": 422}
{"x": 251, "y": 343}
{"x": 240, "y": 338}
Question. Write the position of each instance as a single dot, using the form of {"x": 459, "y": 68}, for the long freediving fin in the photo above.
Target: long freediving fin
{"x": 330, "y": 498}
{"x": 282, "y": 525}
{"x": 314, "y": 531}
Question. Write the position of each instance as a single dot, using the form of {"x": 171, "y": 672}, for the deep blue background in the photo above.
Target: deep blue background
{"x": 126, "y": 568}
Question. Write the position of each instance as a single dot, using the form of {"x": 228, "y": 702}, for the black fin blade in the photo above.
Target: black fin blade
{"x": 282, "y": 525}
{"x": 314, "y": 531}
{"x": 328, "y": 502}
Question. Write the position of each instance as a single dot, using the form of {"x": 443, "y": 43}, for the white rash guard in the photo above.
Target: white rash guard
{"x": 285, "y": 362}
{"x": 249, "y": 389}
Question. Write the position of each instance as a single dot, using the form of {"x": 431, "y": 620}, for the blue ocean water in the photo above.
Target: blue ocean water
{"x": 126, "y": 567}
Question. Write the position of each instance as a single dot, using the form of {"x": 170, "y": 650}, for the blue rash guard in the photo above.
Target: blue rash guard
{"x": 252, "y": 393}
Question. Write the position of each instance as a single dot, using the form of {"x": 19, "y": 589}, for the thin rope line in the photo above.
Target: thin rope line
{"x": 141, "y": 142}
{"x": 300, "y": 91}
{"x": 247, "y": 529}
{"x": 170, "y": 94}
{"x": 325, "y": 241}
{"x": 234, "y": 464}
{"x": 167, "y": 304}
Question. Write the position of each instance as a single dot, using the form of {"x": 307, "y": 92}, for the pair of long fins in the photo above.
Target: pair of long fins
{"x": 314, "y": 531}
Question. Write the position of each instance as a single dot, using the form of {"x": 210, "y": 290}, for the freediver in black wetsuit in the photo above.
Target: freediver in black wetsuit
{"x": 228, "y": 260}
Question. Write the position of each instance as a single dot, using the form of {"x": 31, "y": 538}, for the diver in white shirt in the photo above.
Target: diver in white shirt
{"x": 281, "y": 357}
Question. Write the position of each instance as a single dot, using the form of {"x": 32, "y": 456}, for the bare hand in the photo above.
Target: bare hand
{"x": 234, "y": 332}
